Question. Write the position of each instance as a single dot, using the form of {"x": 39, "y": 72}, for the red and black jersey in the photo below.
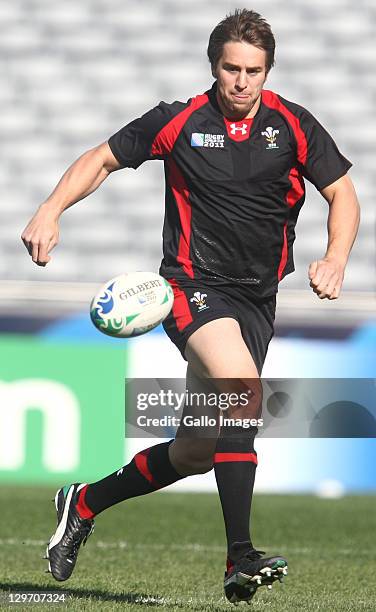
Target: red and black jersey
{"x": 233, "y": 189}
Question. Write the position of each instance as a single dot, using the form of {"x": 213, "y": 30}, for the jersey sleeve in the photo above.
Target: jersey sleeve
{"x": 324, "y": 163}
{"x": 133, "y": 144}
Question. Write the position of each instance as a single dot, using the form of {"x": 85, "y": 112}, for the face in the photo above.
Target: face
{"x": 240, "y": 74}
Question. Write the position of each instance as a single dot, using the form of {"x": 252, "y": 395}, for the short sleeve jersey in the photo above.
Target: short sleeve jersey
{"x": 234, "y": 189}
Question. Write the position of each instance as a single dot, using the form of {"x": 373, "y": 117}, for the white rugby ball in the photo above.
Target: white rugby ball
{"x": 131, "y": 304}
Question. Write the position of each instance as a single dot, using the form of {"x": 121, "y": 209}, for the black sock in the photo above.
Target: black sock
{"x": 148, "y": 471}
{"x": 235, "y": 462}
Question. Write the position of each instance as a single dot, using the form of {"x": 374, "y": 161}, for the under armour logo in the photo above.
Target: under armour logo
{"x": 235, "y": 128}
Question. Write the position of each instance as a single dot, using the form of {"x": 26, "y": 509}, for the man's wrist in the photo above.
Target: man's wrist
{"x": 51, "y": 209}
{"x": 339, "y": 258}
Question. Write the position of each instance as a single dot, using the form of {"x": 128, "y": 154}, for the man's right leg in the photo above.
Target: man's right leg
{"x": 151, "y": 469}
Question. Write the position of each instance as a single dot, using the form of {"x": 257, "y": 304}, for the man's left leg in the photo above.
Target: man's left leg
{"x": 235, "y": 460}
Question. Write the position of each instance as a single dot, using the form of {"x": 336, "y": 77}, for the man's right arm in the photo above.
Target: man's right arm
{"x": 80, "y": 180}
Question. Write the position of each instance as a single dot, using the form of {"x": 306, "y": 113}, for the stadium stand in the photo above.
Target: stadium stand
{"x": 74, "y": 73}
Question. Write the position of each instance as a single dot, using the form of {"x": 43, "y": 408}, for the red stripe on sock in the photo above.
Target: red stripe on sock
{"x": 229, "y": 457}
{"x": 82, "y": 507}
{"x": 141, "y": 460}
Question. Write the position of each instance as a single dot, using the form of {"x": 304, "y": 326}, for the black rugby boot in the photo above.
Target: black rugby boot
{"x": 71, "y": 532}
{"x": 251, "y": 571}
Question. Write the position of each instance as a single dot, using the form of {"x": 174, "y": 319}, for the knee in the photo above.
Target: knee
{"x": 189, "y": 461}
{"x": 201, "y": 466}
{"x": 196, "y": 464}
{"x": 241, "y": 396}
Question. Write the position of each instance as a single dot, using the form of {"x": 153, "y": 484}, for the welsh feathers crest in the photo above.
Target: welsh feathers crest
{"x": 271, "y": 137}
{"x": 199, "y": 299}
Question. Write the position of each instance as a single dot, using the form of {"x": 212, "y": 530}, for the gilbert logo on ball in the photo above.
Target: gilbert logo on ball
{"x": 131, "y": 304}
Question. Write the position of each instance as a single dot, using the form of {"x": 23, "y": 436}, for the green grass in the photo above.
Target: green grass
{"x": 166, "y": 551}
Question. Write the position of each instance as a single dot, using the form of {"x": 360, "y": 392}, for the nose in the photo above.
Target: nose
{"x": 241, "y": 81}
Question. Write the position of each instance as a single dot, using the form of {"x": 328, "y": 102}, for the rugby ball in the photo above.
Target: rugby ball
{"x": 131, "y": 304}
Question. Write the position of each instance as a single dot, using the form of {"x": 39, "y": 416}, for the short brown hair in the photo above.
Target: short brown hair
{"x": 242, "y": 25}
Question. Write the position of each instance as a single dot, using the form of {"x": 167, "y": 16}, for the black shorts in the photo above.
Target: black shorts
{"x": 196, "y": 304}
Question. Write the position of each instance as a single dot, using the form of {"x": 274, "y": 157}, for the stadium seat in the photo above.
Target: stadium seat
{"x": 77, "y": 72}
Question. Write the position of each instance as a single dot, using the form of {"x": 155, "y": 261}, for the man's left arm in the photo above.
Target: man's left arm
{"x": 326, "y": 274}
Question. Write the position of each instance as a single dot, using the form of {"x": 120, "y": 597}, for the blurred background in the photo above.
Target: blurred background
{"x": 73, "y": 73}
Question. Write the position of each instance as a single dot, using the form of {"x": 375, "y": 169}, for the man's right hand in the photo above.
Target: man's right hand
{"x": 82, "y": 178}
{"x": 41, "y": 235}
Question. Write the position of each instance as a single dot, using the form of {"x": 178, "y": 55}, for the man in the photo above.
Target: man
{"x": 235, "y": 158}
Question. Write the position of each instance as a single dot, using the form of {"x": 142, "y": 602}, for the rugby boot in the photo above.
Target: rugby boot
{"x": 71, "y": 532}
{"x": 251, "y": 571}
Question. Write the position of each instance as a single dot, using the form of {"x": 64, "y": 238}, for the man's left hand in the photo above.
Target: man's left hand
{"x": 326, "y": 276}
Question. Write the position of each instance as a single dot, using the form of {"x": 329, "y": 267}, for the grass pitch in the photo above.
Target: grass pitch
{"x": 166, "y": 551}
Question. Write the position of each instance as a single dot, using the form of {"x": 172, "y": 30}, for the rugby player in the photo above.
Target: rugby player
{"x": 235, "y": 161}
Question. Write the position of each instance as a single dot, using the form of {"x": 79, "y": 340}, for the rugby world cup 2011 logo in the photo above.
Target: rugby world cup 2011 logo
{"x": 103, "y": 306}
{"x": 271, "y": 137}
{"x": 199, "y": 299}
{"x": 211, "y": 141}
